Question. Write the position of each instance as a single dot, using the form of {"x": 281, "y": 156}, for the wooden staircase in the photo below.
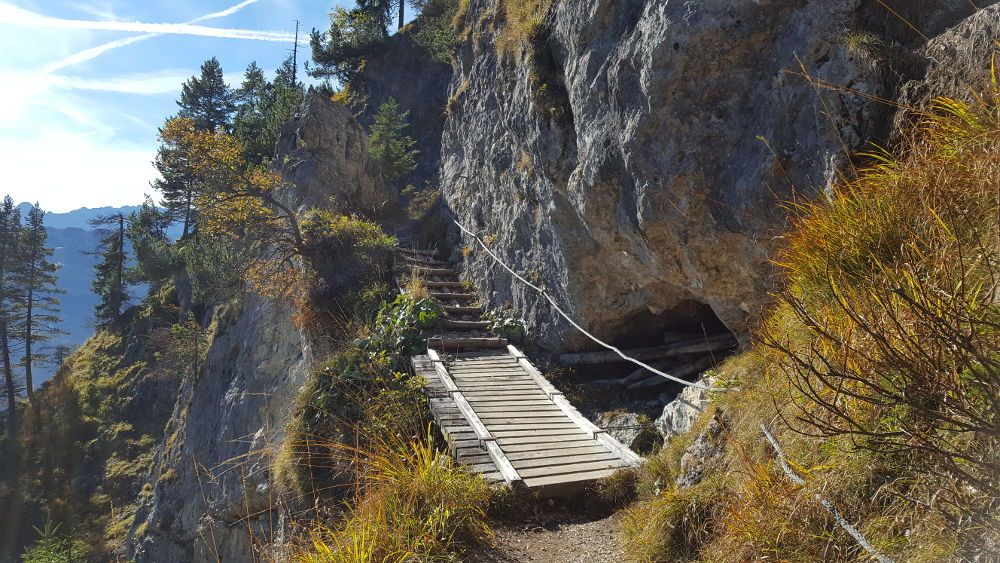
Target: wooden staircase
{"x": 497, "y": 412}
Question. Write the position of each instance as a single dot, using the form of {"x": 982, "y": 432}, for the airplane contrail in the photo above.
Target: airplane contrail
{"x": 94, "y": 52}
{"x": 20, "y": 17}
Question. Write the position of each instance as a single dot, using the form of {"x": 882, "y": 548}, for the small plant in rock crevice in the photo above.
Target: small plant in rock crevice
{"x": 505, "y": 324}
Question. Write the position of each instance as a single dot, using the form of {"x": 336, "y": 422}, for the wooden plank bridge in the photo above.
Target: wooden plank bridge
{"x": 497, "y": 412}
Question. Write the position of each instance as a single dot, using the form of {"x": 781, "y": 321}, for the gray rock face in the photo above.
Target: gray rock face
{"x": 323, "y": 151}
{"x": 705, "y": 449}
{"x": 680, "y": 414}
{"x": 212, "y": 471}
{"x": 636, "y": 160}
{"x": 958, "y": 61}
{"x": 631, "y": 429}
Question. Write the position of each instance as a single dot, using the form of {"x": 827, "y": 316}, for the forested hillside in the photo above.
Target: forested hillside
{"x": 756, "y": 242}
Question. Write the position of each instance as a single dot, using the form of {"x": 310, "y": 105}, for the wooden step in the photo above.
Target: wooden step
{"x": 457, "y": 342}
{"x": 465, "y": 325}
{"x": 444, "y": 284}
{"x": 421, "y": 271}
{"x": 459, "y": 310}
{"x": 427, "y": 252}
{"x": 457, "y": 296}
{"x": 424, "y": 261}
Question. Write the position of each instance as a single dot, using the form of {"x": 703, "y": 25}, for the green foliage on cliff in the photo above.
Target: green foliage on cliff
{"x": 391, "y": 146}
{"x": 86, "y": 447}
{"x": 877, "y": 371}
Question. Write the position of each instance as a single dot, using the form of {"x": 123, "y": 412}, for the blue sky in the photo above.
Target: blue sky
{"x": 84, "y": 85}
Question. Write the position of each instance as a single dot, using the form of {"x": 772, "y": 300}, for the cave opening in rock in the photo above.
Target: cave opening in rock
{"x": 685, "y": 341}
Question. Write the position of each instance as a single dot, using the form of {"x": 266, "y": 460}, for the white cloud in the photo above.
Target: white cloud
{"x": 145, "y": 84}
{"x": 94, "y": 52}
{"x": 25, "y": 18}
{"x": 66, "y": 172}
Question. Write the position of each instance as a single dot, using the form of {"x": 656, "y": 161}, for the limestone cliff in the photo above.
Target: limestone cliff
{"x": 636, "y": 156}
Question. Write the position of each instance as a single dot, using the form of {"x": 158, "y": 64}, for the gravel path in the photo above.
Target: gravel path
{"x": 558, "y": 537}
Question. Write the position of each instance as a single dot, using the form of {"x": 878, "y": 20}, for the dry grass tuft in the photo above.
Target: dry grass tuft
{"x": 522, "y": 20}
{"x": 412, "y": 504}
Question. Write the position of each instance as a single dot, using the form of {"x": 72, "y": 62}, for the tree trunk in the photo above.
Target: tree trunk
{"x": 402, "y": 4}
{"x": 27, "y": 333}
{"x": 8, "y": 374}
{"x": 187, "y": 214}
{"x": 120, "y": 275}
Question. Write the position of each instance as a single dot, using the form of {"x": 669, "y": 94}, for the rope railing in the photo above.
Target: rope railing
{"x": 779, "y": 452}
{"x": 576, "y": 325}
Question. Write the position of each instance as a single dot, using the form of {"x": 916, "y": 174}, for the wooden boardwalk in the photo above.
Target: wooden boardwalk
{"x": 497, "y": 412}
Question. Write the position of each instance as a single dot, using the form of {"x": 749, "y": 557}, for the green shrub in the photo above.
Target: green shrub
{"x": 391, "y": 148}
{"x": 51, "y": 547}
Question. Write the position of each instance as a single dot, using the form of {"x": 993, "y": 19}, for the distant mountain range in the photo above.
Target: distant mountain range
{"x": 73, "y": 241}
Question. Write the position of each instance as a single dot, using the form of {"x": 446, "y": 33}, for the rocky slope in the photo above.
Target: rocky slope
{"x": 658, "y": 140}
{"x": 212, "y": 497}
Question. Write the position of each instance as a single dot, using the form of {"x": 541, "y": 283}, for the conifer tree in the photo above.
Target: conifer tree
{"x": 176, "y": 184}
{"x": 391, "y": 148}
{"x": 206, "y": 99}
{"x": 35, "y": 280}
{"x": 146, "y": 231}
{"x": 250, "y": 123}
{"x": 10, "y": 226}
{"x": 109, "y": 281}
{"x": 284, "y": 94}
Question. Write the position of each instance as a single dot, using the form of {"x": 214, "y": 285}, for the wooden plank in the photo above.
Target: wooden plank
{"x": 538, "y": 482}
{"x": 569, "y": 428}
{"x": 568, "y": 468}
{"x": 544, "y": 442}
{"x": 540, "y": 434}
{"x": 477, "y": 398}
{"x": 543, "y": 446}
{"x": 693, "y": 346}
{"x": 457, "y": 342}
{"x": 525, "y": 413}
{"x": 504, "y": 403}
{"x": 574, "y": 415}
{"x": 531, "y": 421}
{"x": 494, "y": 396}
{"x": 627, "y": 455}
{"x": 544, "y": 411}
{"x": 503, "y": 465}
{"x": 593, "y": 449}
{"x": 606, "y": 460}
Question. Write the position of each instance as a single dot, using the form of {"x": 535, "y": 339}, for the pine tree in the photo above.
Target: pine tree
{"x": 391, "y": 148}
{"x": 284, "y": 95}
{"x": 251, "y": 119}
{"x": 109, "y": 281}
{"x": 155, "y": 259}
{"x": 35, "y": 279}
{"x": 207, "y": 100}
{"x": 10, "y": 230}
{"x": 176, "y": 184}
